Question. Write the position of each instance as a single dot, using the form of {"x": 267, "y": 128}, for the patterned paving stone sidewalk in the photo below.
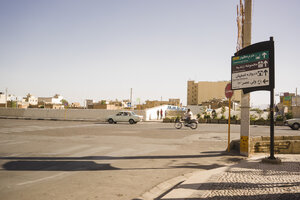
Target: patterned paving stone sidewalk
{"x": 254, "y": 180}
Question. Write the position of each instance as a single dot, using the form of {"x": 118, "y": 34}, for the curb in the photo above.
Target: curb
{"x": 171, "y": 189}
{"x": 164, "y": 187}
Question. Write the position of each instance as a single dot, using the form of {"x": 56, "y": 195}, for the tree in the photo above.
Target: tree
{"x": 65, "y": 103}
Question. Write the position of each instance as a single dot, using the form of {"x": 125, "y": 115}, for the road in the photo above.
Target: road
{"x": 87, "y": 160}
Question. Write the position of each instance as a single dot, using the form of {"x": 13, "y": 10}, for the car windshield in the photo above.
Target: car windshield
{"x": 132, "y": 113}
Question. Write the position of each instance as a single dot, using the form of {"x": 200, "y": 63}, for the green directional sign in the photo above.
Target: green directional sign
{"x": 249, "y": 58}
{"x": 250, "y": 70}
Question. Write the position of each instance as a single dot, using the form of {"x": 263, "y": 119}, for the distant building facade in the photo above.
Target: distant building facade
{"x": 54, "y": 102}
{"x": 32, "y": 100}
{"x": 155, "y": 103}
{"x": 205, "y": 91}
{"x": 2, "y": 99}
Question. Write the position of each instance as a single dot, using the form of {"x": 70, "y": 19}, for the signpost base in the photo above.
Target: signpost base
{"x": 271, "y": 160}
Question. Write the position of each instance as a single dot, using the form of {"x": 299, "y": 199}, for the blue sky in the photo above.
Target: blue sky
{"x": 93, "y": 49}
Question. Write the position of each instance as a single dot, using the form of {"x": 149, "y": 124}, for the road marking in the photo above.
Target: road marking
{"x": 13, "y": 143}
{"x": 42, "y": 179}
{"x": 40, "y": 128}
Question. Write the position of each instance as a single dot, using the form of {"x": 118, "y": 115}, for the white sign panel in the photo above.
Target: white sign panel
{"x": 253, "y": 78}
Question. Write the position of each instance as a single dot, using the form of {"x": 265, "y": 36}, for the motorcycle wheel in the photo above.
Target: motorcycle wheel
{"x": 193, "y": 125}
{"x": 178, "y": 125}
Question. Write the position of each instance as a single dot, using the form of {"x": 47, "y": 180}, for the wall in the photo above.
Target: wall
{"x": 66, "y": 114}
{"x": 282, "y": 144}
{"x": 151, "y": 113}
{"x": 296, "y": 111}
{"x": 214, "y": 90}
{"x": 261, "y": 144}
{"x": 192, "y": 93}
{"x": 204, "y": 91}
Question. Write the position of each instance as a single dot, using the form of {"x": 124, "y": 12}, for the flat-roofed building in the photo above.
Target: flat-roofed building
{"x": 203, "y": 91}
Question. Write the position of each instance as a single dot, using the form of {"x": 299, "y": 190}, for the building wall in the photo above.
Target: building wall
{"x": 66, "y": 114}
{"x": 2, "y": 99}
{"x": 192, "y": 93}
{"x": 205, "y": 91}
{"x": 296, "y": 111}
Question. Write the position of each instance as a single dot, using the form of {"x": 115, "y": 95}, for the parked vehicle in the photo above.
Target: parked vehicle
{"x": 293, "y": 123}
{"x": 125, "y": 116}
{"x": 193, "y": 124}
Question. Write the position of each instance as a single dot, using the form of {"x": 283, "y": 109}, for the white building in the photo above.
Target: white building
{"x": 2, "y": 98}
{"x": 32, "y": 100}
{"x": 51, "y": 100}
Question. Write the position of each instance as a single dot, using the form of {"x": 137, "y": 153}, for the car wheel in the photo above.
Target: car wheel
{"x": 131, "y": 121}
{"x": 295, "y": 126}
{"x": 110, "y": 120}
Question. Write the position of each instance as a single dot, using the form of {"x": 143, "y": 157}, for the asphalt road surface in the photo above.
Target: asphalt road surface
{"x": 87, "y": 160}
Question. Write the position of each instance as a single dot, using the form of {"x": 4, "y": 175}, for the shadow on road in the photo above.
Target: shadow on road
{"x": 56, "y": 166}
{"x": 87, "y": 163}
{"x": 216, "y": 154}
{"x": 283, "y": 196}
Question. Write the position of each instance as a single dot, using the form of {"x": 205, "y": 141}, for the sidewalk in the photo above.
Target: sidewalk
{"x": 247, "y": 180}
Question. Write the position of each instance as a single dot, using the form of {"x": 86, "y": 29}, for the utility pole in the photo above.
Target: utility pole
{"x": 5, "y": 97}
{"x": 296, "y": 97}
{"x": 130, "y": 98}
{"x": 245, "y": 98}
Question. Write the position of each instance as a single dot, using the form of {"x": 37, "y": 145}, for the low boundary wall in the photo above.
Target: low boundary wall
{"x": 261, "y": 144}
{"x": 66, "y": 114}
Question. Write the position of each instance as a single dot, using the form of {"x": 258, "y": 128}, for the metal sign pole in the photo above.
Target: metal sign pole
{"x": 229, "y": 107}
{"x": 272, "y": 124}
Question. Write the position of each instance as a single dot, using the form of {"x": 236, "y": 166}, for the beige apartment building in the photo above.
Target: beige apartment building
{"x": 204, "y": 91}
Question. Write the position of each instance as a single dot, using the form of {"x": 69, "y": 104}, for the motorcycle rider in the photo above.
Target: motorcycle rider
{"x": 188, "y": 116}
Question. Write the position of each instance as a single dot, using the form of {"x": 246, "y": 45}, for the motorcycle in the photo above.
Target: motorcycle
{"x": 193, "y": 124}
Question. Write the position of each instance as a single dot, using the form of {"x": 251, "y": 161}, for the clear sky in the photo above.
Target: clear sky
{"x": 94, "y": 49}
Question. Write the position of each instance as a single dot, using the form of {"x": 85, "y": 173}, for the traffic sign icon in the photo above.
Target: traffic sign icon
{"x": 228, "y": 91}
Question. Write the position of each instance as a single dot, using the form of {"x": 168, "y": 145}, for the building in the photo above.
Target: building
{"x": 54, "y": 102}
{"x": 2, "y": 100}
{"x": 56, "y": 99}
{"x": 32, "y": 100}
{"x": 205, "y": 91}
{"x": 75, "y": 105}
{"x": 89, "y": 103}
{"x": 155, "y": 103}
{"x": 109, "y": 105}
{"x": 289, "y": 102}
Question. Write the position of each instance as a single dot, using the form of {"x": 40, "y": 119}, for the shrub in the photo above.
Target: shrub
{"x": 289, "y": 115}
{"x": 279, "y": 118}
{"x": 234, "y": 117}
{"x": 206, "y": 116}
{"x": 252, "y": 117}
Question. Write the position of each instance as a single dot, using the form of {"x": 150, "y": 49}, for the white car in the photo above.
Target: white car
{"x": 125, "y": 116}
{"x": 293, "y": 123}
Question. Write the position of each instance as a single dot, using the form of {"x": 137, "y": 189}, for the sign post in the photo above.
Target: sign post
{"x": 252, "y": 69}
{"x": 228, "y": 94}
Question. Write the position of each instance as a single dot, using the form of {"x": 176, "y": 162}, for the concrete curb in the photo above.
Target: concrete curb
{"x": 164, "y": 187}
{"x": 196, "y": 180}
{"x": 168, "y": 189}
{"x": 171, "y": 189}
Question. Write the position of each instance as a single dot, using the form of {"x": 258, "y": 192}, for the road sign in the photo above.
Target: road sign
{"x": 228, "y": 91}
{"x": 252, "y": 68}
